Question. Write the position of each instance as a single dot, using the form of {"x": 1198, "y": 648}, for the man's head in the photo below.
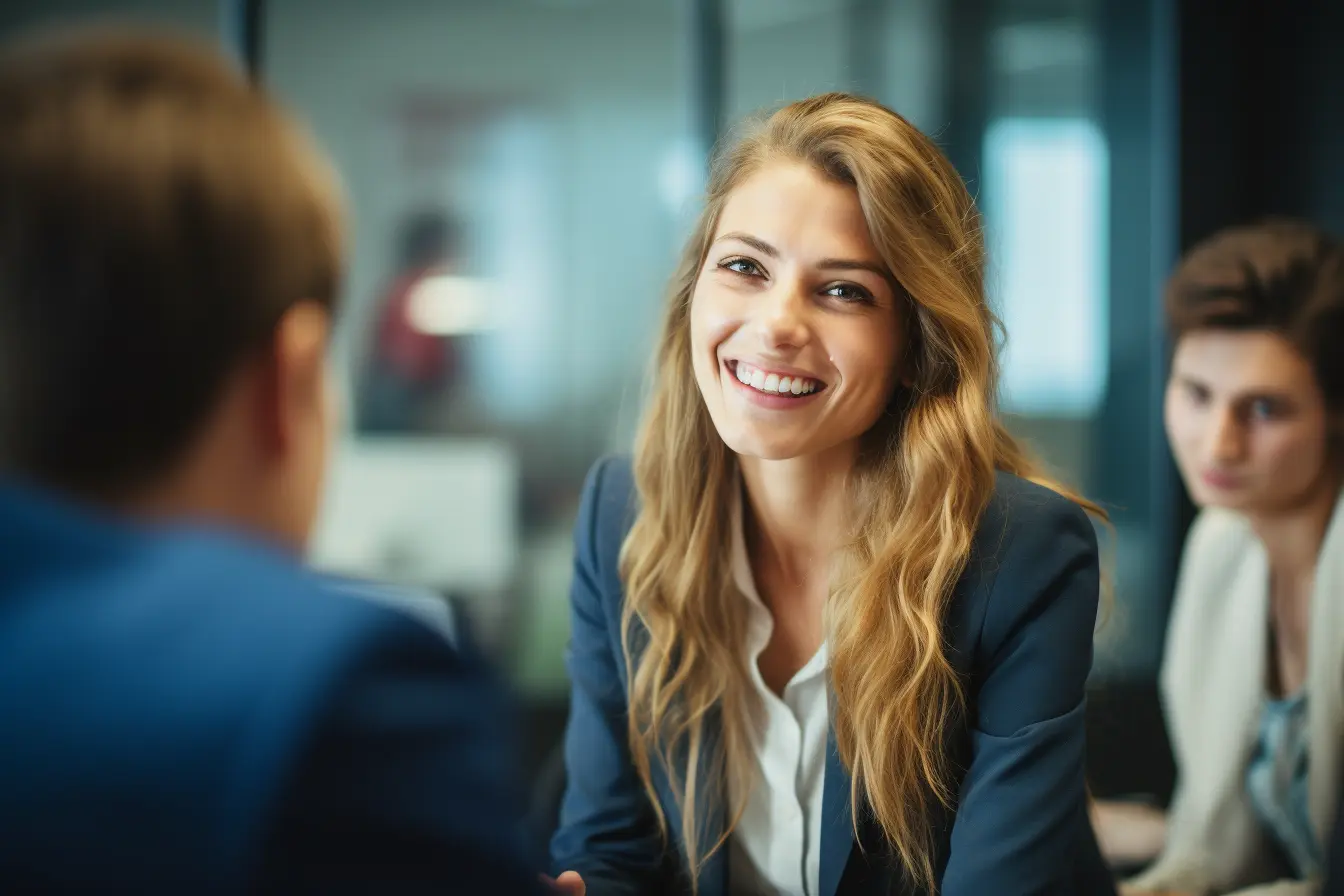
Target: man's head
{"x": 170, "y": 257}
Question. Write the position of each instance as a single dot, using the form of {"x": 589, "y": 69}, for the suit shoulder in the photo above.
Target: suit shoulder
{"x": 607, "y": 509}
{"x": 1030, "y": 538}
{"x": 611, "y": 485}
{"x": 1026, "y": 532}
{"x": 232, "y": 654}
{"x": 1021, "y": 510}
{"x": 230, "y": 594}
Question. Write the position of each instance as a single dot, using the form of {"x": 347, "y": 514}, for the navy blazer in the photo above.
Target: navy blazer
{"x": 1019, "y": 631}
{"x": 187, "y": 712}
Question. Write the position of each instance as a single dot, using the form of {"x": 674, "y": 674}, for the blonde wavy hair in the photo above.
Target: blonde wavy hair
{"x": 924, "y": 478}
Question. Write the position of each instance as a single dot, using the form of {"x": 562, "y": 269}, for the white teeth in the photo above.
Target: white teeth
{"x": 773, "y": 382}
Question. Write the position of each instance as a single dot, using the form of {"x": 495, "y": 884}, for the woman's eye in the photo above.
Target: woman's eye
{"x": 742, "y": 266}
{"x": 1264, "y": 409}
{"x": 1198, "y": 394}
{"x": 849, "y": 292}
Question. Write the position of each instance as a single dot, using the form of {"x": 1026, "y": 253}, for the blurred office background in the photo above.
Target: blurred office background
{"x": 520, "y": 175}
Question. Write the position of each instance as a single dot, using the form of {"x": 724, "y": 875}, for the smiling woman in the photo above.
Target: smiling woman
{"x": 828, "y": 638}
{"x": 805, "y": 300}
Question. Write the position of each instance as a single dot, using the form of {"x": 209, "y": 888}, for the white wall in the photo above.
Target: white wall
{"x": 783, "y": 50}
{"x": 605, "y": 90}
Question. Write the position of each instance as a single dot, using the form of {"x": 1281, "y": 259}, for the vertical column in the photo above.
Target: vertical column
{"x": 1137, "y": 45}
{"x": 708, "y": 39}
{"x": 1137, "y": 105}
{"x": 966, "y": 74}
{"x": 867, "y": 34}
{"x": 240, "y": 27}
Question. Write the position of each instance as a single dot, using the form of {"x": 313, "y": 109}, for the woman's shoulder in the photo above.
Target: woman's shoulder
{"x": 1220, "y": 551}
{"x": 609, "y": 492}
{"x": 1033, "y": 547}
{"x": 1019, "y": 510}
{"x": 1022, "y": 517}
{"x": 1021, "y": 513}
{"x": 1217, "y": 535}
{"x": 1028, "y": 527}
{"x": 1025, "y": 608}
{"x": 606, "y": 510}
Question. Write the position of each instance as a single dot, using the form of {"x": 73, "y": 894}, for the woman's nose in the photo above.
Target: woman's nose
{"x": 783, "y": 321}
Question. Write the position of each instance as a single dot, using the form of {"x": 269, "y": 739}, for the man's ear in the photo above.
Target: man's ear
{"x": 293, "y": 380}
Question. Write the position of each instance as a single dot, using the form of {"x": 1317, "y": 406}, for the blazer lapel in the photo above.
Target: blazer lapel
{"x": 1325, "y": 683}
{"x": 837, "y": 826}
{"x": 714, "y": 876}
{"x": 714, "y": 873}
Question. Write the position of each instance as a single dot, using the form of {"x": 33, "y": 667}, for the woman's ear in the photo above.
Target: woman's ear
{"x": 909, "y": 372}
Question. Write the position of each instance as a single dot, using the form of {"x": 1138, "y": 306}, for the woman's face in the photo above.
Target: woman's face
{"x": 1247, "y": 422}
{"x": 795, "y": 328}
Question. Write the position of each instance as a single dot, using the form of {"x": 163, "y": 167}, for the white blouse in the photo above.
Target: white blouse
{"x": 775, "y": 850}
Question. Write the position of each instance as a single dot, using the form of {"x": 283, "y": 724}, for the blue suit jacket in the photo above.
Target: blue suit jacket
{"x": 1019, "y": 630}
{"x": 186, "y": 712}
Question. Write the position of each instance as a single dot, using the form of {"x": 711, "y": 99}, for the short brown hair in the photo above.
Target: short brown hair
{"x": 1281, "y": 275}
{"x": 158, "y": 215}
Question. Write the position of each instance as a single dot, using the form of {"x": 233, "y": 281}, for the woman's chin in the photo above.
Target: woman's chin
{"x": 746, "y": 442}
